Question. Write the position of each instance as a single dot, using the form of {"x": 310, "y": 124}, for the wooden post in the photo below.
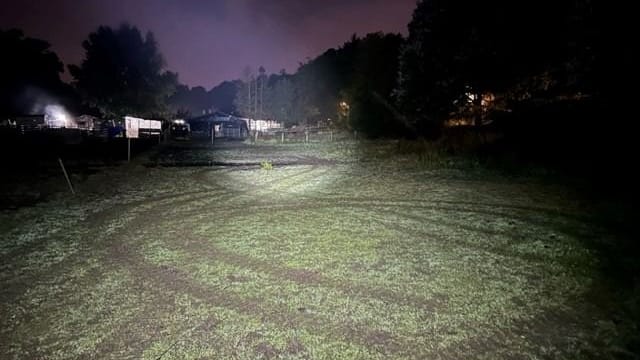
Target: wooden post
{"x": 306, "y": 136}
{"x": 256, "y": 137}
{"x": 128, "y": 149}
{"x": 213, "y": 134}
{"x": 331, "y": 136}
{"x": 282, "y": 137}
{"x": 66, "y": 176}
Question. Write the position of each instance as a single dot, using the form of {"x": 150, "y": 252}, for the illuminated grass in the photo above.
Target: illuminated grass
{"x": 349, "y": 252}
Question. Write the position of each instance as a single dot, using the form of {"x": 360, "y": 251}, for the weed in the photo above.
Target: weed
{"x": 266, "y": 165}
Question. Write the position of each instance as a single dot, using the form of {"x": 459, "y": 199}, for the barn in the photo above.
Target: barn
{"x": 225, "y": 125}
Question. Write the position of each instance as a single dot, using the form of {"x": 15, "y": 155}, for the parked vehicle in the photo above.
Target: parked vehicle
{"x": 180, "y": 130}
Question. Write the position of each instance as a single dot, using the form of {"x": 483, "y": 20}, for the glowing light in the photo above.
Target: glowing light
{"x": 57, "y": 116}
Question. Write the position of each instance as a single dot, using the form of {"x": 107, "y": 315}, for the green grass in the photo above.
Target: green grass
{"x": 358, "y": 252}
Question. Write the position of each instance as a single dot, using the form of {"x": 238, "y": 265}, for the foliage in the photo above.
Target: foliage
{"x": 188, "y": 102}
{"x": 360, "y": 72}
{"x": 222, "y": 96}
{"x": 459, "y": 51}
{"x": 30, "y": 74}
{"x": 245, "y": 92}
{"x": 123, "y": 73}
{"x": 368, "y": 94}
{"x": 281, "y": 101}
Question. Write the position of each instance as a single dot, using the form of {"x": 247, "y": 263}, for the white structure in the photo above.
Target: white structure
{"x": 261, "y": 125}
{"x": 136, "y": 125}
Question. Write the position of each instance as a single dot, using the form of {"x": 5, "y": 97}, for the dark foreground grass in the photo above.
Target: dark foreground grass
{"x": 345, "y": 253}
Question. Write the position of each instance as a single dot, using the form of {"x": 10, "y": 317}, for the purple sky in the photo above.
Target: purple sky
{"x": 207, "y": 42}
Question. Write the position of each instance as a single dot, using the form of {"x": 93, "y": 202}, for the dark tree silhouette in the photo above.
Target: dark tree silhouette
{"x": 190, "y": 101}
{"x": 369, "y": 93}
{"x": 280, "y": 102}
{"x": 30, "y": 74}
{"x": 460, "y": 50}
{"x": 222, "y": 96}
{"x": 123, "y": 73}
{"x": 362, "y": 73}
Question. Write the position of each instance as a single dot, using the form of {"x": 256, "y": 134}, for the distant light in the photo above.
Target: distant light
{"x": 178, "y": 121}
{"x": 56, "y": 116}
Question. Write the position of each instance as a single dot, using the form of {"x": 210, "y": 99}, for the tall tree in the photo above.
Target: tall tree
{"x": 281, "y": 101}
{"x": 223, "y": 95}
{"x": 123, "y": 73}
{"x": 30, "y": 74}
{"x": 369, "y": 94}
{"x": 458, "y": 51}
{"x": 245, "y": 97}
{"x": 190, "y": 101}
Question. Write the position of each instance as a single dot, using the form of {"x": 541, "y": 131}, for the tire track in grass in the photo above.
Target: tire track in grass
{"x": 515, "y": 212}
{"x": 99, "y": 220}
{"x": 380, "y": 208}
{"x": 487, "y": 244}
{"x": 291, "y": 180}
{"x": 100, "y": 225}
{"x": 395, "y": 209}
{"x": 173, "y": 280}
{"x": 174, "y": 201}
{"x": 97, "y": 244}
{"x": 502, "y": 248}
{"x": 230, "y": 211}
{"x": 224, "y": 302}
{"x": 198, "y": 248}
{"x": 145, "y": 216}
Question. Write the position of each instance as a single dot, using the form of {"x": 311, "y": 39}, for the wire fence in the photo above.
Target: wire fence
{"x": 305, "y": 135}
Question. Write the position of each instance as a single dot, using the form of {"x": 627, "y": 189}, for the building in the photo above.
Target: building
{"x": 225, "y": 126}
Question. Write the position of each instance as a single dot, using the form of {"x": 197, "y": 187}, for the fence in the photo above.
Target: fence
{"x": 308, "y": 135}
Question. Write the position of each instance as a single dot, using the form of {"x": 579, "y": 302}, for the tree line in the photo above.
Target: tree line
{"x": 474, "y": 61}
{"x": 477, "y": 62}
{"x": 337, "y": 88}
{"x": 122, "y": 73}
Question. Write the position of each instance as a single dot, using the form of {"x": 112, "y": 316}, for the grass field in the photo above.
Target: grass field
{"x": 341, "y": 251}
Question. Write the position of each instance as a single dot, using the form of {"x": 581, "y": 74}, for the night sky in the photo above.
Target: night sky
{"x": 207, "y": 42}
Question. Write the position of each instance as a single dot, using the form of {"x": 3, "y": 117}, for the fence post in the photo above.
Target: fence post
{"x": 331, "y": 136}
{"x": 282, "y": 137}
{"x": 66, "y": 176}
{"x": 256, "y": 137}
{"x": 306, "y": 136}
